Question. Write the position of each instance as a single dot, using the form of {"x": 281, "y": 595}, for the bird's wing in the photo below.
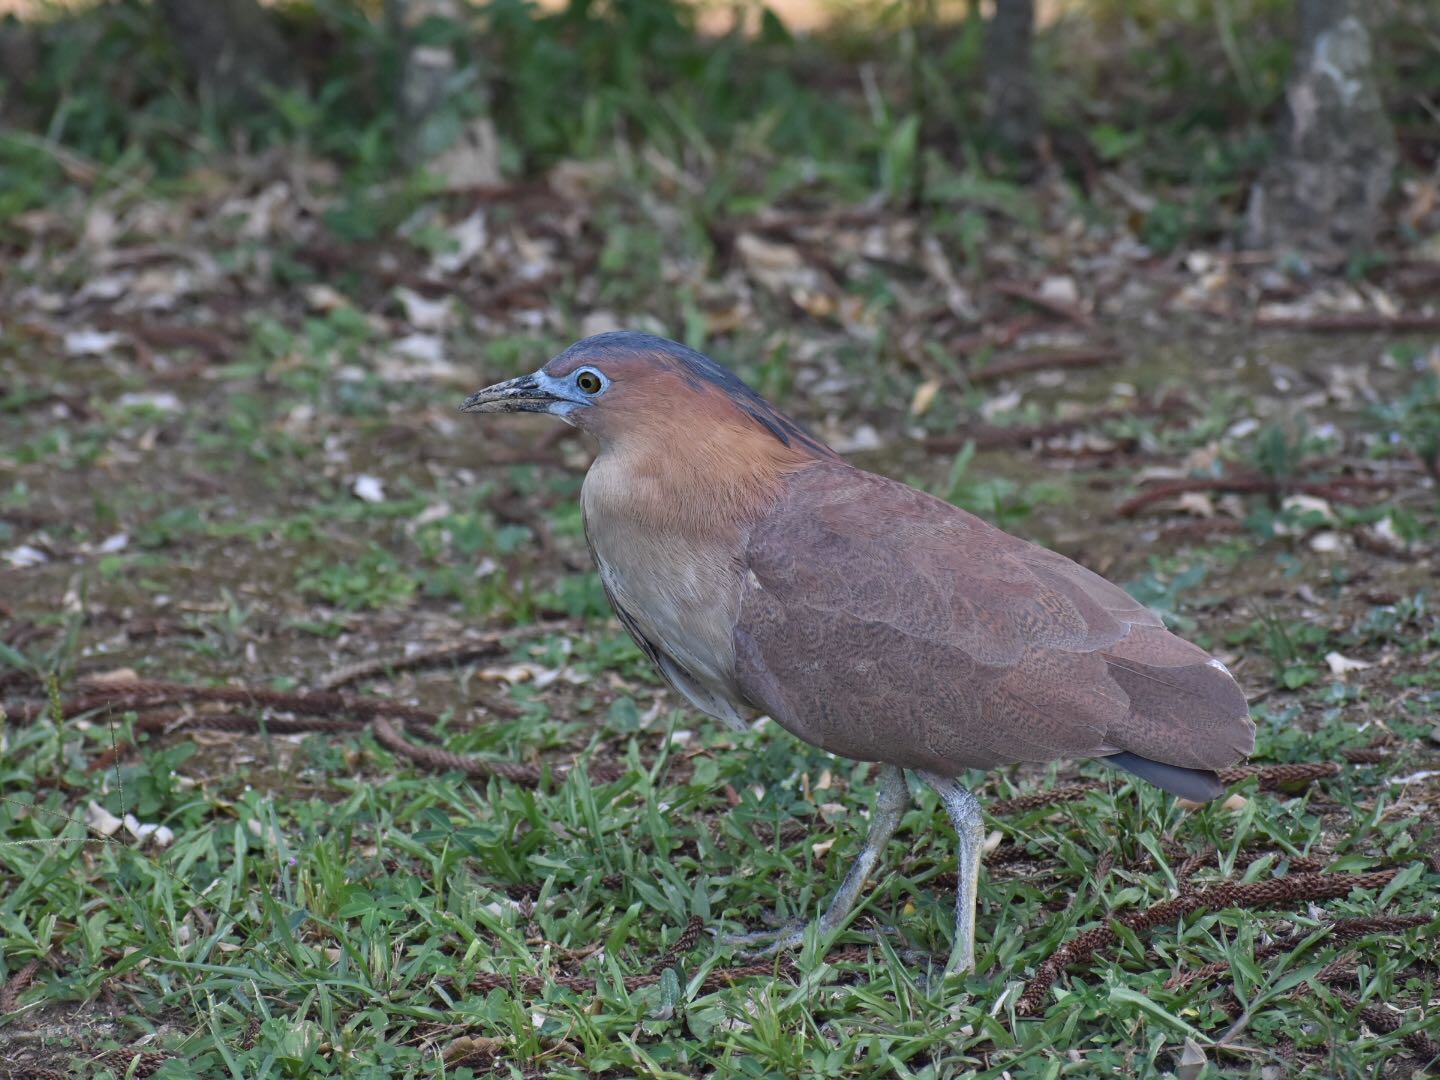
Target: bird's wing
{"x": 883, "y": 624}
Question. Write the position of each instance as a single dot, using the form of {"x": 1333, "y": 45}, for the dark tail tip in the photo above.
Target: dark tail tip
{"x": 1197, "y": 785}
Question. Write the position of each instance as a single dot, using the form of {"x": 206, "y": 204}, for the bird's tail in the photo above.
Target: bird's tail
{"x": 1197, "y": 785}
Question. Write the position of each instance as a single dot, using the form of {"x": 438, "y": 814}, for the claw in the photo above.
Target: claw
{"x": 785, "y": 936}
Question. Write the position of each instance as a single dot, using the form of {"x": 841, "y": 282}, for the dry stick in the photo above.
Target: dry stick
{"x": 148, "y": 694}
{"x": 17, "y": 985}
{"x": 1369, "y": 755}
{"x": 715, "y": 979}
{"x": 1024, "y": 363}
{"x": 1193, "y": 862}
{"x": 1332, "y": 490}
{"x": 531, "y": 890}
{"x": 34, "y": 1072}
{"x": 392, "y": 737}
{"x": 148, "y": 723}
{"x": 688, "y": 937}
{"x": 146, "y": 1063}
{"x": 1006, "y": 854}
{"x": 1275, "y": 777}
{"x": 1295, "y": 864}
{"x": 450, "y": 653}
{"x": 1386, "y": 1022}
{"x": 1271, "y": 777}
{"x": 1016, "y": 291}
{"x": 171, "y": 335}
{"x": 1284, "y": 890}
{"x": 1371, "y": 541}
{"x": 992, "y": 436}
{"x": 1340, "y": 930}
{"x": 1352, "y": 324}
{"x": 1037, "y": 799}
{"x": 996, "y": 337}
{"x": 1203, "y": 529}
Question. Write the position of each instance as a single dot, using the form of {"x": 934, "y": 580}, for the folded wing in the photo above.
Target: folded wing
{"x": 883, "y": 624}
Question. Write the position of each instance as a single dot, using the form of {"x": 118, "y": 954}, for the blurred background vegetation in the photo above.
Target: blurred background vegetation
{"x": 907, "y": 101}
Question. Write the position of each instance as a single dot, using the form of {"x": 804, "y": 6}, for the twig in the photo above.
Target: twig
{"x": 454, "y": 652}
{"x": 1023, "y": 363}
{"x": 994, "y": 337}
{"x": 153, "y": 723}
{"x": 1202, "y": 529}
{"x": 1332, "y": 490}
{"x": 1016, "y": 291}
{"x": 991, "y": 436}
{"x": 1037, "y": 799}
{"x": 1271, "y": 777}
{"x": 392, "y": 737}
{"x": 1371, "y": 541}
{"x": 80, "y": 169}
{"x": 149, "y": 694}
{"x": 1279, "y": 777}
{"x": 17, "y": 985}
{"x": 1285, "y": 890}
{"x": 1369, "y": 755}
{"x": 171, "y": 335}
{"x": 1386, "y": 1022}
{"x": 1340, "y": 929}
{"x": 716, "y": 979}
{"x": 1360, "y": 323}
{"x": 683, "y": 944}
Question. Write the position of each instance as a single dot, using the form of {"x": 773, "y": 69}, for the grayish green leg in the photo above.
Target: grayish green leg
{"x": 890, "y": 805}
{"x": 891, "y": 802}
{"x": 965, "y": 815}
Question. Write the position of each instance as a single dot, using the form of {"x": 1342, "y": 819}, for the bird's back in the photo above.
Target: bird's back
{"x": 883, "y": 624}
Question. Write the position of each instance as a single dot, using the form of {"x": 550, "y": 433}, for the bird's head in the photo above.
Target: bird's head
{"x": 627, "y": 385}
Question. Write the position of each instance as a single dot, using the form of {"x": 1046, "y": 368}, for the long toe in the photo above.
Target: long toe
{"x": 766, "y": 943}
{"x": 788, "y": 935}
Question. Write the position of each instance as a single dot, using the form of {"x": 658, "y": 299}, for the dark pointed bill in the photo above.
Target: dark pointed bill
{"x": 524, "y": 394}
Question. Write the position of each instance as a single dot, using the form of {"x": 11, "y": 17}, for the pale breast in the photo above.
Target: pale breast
{"x": 677, "y": 592}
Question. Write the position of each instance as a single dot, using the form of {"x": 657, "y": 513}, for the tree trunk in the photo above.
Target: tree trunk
{"x": 1335, "y": 158}
{"x": 443, "y": 123}
{"x": 231, "y": 48}
{"x": 19, "y": 50}
{"x": 1011, "y": 101}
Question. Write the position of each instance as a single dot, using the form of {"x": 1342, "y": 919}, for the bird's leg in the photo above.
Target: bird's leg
{"x": 890, "y": 804}
{"x": 965, "y": 815}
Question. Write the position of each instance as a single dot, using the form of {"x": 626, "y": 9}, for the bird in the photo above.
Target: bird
{"x": 763, "y": 574}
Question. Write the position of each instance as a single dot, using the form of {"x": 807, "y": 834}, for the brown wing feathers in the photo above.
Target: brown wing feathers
{"x": 965, "y": 647}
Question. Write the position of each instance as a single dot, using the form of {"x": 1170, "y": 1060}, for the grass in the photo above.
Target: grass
{"x": 323, "y": 902}
{"x": 188, "y": 512}
{"x": 317, "y": 909}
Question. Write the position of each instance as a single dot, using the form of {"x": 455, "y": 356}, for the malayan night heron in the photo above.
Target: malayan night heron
{"x": 763, "y": 574}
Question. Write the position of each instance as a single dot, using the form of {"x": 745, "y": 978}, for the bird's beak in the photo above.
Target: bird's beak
{"x": 524, "y": 394}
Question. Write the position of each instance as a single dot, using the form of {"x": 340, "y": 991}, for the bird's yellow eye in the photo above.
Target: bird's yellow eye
{"x": 588, "y": 381}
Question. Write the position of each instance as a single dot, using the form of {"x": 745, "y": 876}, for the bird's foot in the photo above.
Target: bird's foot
{"x": 931, "y": 972}
{"x": 788, "y": 935}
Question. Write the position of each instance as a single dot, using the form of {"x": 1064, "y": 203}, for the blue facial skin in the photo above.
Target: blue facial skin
{"x": 566, "y": 392}
{"x": 540, "y": 392}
